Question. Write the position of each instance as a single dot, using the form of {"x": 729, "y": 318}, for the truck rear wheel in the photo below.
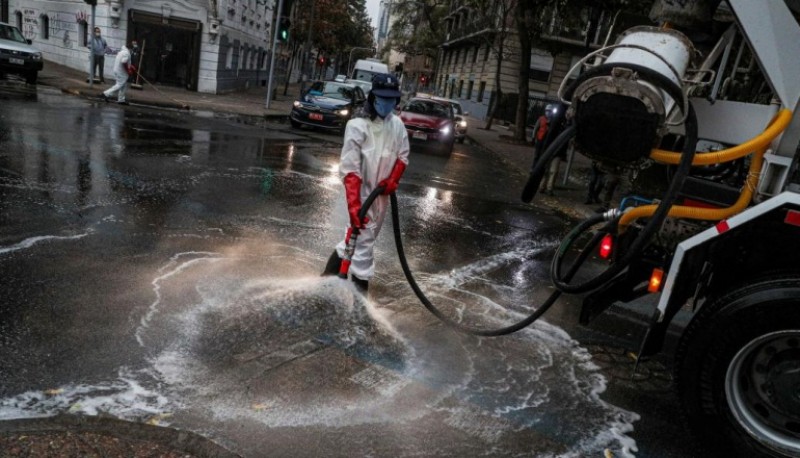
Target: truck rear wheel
{"x": 738, "y": 371}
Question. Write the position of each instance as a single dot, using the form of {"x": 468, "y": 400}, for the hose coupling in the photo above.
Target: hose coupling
{"x": 612, "y": 214}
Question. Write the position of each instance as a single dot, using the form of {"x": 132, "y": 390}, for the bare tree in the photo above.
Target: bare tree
{"x": 494, "y": 19}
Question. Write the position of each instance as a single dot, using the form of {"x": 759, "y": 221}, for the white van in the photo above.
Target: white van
{"x": 365, "y": 69}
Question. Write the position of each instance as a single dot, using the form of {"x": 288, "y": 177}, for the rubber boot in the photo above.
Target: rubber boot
{"x": 361, "y": 285}
{"x": 332, "y": 267}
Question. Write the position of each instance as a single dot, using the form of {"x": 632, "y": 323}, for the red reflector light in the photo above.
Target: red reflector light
{"x": 792, "y": 217}
{"x": 606, "y": 245}
{"x": 655, "y": 280}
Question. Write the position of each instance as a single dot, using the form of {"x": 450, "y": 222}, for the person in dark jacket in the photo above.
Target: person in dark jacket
{"x": 97, "y": 47}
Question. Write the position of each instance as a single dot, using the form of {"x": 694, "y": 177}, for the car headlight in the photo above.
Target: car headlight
{"x": 462, "y": 123}
{"x": 343, "y": 112}
{"x": 37, "y": 56}
{"x": 297, "y": 104}
{"x": 445, "y": 130}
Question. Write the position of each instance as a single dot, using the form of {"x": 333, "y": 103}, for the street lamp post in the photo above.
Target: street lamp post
{"x": 349, "y": 71}
{"x": 272, "y": 57}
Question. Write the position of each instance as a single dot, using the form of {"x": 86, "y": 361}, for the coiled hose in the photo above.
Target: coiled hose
{"x": 660, "y": 214}
{"x": 525, "y": 322}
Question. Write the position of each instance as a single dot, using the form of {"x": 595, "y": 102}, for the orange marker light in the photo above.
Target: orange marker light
{"x": 606, "y": 246}
{"x": 655, "y": 280}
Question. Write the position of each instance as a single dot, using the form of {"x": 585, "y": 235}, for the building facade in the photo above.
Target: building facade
{"x": 467, "y": 65}
{"x": 212, "y": 46}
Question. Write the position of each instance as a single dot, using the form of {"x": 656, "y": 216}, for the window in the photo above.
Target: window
{"x": 44, "y": 24}
{"x": 486, "y": 53}
{"x": 541, "y": 66}
{"x": 83, "y": 31}
{"x": 475, "y": 54}
{"x": 466, "y": 55}
{"x": 469, "y": 90}
{"x": 18, "y": 15}
{"x": 481, "y": 90}
{"x": 460, "y": 88}
{"x": 229, "y": 58}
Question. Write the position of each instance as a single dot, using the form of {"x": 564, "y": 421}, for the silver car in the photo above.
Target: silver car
{"x": 17, "y": 56}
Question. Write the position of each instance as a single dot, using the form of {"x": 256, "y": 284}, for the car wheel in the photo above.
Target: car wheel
{"x": 737, "y": 370}
{"x": 294, "y": 123}
{"x": 31, "y": 77}
{"x": 461, "y": 139}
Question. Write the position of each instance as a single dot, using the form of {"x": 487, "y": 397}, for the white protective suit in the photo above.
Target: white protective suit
{"x": 370, "y": 150}
{"x": 121, "y": 74}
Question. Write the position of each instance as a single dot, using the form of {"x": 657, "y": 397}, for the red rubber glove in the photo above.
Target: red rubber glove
{"x": 352, "y": 188}
{"x": 390, "y": 184}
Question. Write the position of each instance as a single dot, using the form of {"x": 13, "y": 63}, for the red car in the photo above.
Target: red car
{"x": 430, "y": 124}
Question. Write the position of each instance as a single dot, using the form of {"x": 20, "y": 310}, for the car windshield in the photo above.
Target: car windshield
{"x": 11, "y": 33}
{"x": 427, "y": 108}
{"x": 365, "y": 86}
{"x": 333, "y": 90}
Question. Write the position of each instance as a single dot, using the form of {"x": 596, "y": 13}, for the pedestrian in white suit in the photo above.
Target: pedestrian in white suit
{"x": 122, "y": 67}
{"x": 374, "y": 154}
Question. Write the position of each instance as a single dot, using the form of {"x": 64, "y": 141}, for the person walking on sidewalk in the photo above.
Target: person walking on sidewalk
{"x": 556, "y": 123}
{"x": 97, "y": 47}
{"x": 374, "y": 154}
{"x": 122, "y": 70}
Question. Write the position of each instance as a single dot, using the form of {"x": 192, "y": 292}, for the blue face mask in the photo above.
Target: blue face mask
{"x": 384, "y": 105}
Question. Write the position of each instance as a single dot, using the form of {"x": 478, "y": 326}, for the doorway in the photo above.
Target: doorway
{"x": 171, "y": 49}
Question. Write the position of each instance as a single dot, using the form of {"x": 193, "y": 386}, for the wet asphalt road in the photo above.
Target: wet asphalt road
{"x": 163, "y": 267}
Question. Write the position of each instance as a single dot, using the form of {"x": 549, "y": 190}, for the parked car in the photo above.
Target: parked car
{"x": 17, "y": 56}
{"x": 460, "y": 114}
{"x": 327, "y": 104}
{"x": 430, "y": 123}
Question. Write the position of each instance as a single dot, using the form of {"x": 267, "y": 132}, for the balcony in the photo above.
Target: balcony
{"x": 465, "y": 32}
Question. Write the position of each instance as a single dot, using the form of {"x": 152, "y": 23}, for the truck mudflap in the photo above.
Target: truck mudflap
{"x": 691, "y": 267}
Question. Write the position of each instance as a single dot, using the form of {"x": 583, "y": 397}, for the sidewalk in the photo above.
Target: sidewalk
{"x": 251, "y": 102}
{"x": 568, "y": 198}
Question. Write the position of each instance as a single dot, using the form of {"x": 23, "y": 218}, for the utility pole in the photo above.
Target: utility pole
{"x": 93, "y": 3}
{"x": 272, "y": 57}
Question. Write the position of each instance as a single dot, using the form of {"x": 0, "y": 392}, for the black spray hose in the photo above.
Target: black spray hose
{"x": 466, "y": 329}
{"x": 653, "y": 225}
{"x": 540, "y": 166}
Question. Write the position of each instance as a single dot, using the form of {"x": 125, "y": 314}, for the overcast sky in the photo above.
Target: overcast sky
{"x": 373, "y": 8}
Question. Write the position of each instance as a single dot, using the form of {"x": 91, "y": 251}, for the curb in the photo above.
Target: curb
{"x": 185, "y": 441}
{"x": 247, "y": 118}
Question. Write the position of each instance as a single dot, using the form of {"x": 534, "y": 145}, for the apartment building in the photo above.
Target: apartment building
{"x": 212, "y": 46}
{"x": 467, "y": 65}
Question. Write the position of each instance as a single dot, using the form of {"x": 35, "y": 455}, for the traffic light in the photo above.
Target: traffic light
{"x": 423, "y": 79}
{"x": 283, "y": 29}
{"x": 321, "y": 61}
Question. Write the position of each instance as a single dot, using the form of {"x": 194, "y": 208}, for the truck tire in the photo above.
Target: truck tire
{"x": 738, "y": 371}
{"x": 31, "y": 77}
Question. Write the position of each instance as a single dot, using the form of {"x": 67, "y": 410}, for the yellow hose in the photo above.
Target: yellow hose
{"x": 778, "y": 124}
{"x": 708, "y": 214}
{"x": 759, "y": 144}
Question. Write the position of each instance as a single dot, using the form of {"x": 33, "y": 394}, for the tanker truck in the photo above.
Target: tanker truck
{"x": 700, "y": 115}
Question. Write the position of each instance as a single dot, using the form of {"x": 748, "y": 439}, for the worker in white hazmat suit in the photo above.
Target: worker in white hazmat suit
{"x": 123, "y": 68}
{"x": 374, "y": 154}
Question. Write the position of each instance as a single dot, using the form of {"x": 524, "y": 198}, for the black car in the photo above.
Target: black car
{"x": 17, "y": 56}
{"x": 327, "y": 104}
